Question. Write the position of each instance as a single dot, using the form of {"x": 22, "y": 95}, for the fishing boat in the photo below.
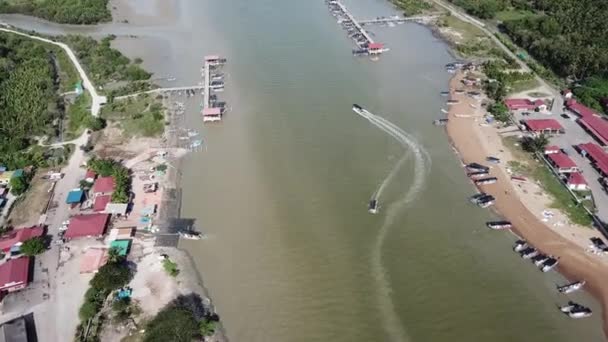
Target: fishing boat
{"x": 499, "y": 225}
{"x": 477, "y": 167}
{"x": 580, "y": 311}
{"x": 493, "y": 160}
{"x": 568, "y": 307}
{"x": 520, "y": 245}
{"x": 478, "y": 174}
{"x": 372, "y": 208}
{"x": 475, "y": 198}
{"x": 486, "y": 201}
{"x": 445, "y": 93}
{"x": 444, "y": 111}
{"x": 539, "y": 259}
{"x": 190, "y": 236}
{"x": 440, "y": 122}
{"x": 549, "y": 264}
{"x": 569, "y": 288}
{"x": 529, "y": 253}
{"x": 485, "y": 181}
{"x": 451, "y": 102}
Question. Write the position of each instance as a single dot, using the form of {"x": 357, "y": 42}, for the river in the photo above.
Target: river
{"x": 283, "y": 186}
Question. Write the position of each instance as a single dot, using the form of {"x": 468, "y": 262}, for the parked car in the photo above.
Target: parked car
{"x": 565, "y": 116}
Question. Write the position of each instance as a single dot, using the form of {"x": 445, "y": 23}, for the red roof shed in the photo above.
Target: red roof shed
{"x": 544, "y": 126}
{"x": 562, "y": 162}
{"x": 515, "y": 104}
{"x": 597, "y": 155}
{"x": 375, "y": 46}
{"x": 597, "y": 127}
{"x": 101, "y": 202}
{"x": 14, "y": 274}
{"x": 104, "y": 185}
{"x": 579, "y": 108}
{"x": 87, "y": 225}
{"x": 19, "y": 235}
{"x": 576, "y": 178}
{"x": 212, "y": 111}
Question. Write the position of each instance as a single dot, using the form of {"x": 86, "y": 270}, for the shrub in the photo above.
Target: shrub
{"x": 170, "y": 267}
{"x": 111, "y": 276}
{"x": 33, "y": 246}
{"x": 176, "y": 322}
{"x": 18, "y": 185}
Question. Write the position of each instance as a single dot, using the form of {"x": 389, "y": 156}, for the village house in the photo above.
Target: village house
{"x": 92, "y": 225}
{"x": 576, "y": 181}
{"x": 552, "y": 149}
{"x": 104, "y": 186}
{"x": 525, "y": 104}
{"x": 579, "y": 108}
{"x": 597, "y": 156}
{"x": 12, "y": 241}
{"x": 544, "y": 126}
{"x": 596, "y": 127}
{"x": 562, "y": 163}
{"x": 14, "y": 274}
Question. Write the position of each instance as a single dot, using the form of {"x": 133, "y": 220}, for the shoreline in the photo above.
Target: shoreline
{"x": 471, "y": 146}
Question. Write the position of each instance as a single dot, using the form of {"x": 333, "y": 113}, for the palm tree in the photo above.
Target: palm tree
{"x": 535, "y": 144}
{"x": 114, "y": 255}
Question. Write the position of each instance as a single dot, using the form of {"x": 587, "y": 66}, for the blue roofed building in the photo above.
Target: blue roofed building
{"x": 75, "y": 196}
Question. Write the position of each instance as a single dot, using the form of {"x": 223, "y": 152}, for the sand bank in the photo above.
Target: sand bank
{"x": 474, "y": 143}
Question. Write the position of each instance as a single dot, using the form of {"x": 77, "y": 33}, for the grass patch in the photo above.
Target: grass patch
{"x": 524, "y": 85}
{"x": 413, "y": 7}
{"x": 68, "y": 76}
{"x": 513, "y": 14}
{"x": 562, "y": 200}
{"x": 77, "y": 114}
{"x": 468, "y": 31}
{"x": 138, "y": 116}
{"x": 170, "y": 267}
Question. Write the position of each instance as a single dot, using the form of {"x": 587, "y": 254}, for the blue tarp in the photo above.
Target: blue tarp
{"x": 74, "y": 196}
{"x": 17, "y": 173}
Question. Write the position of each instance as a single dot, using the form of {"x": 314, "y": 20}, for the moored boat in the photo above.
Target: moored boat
{"x": 539, "y": 259}
{"x": 580, "y": 311}
{"x": 549, "y": 264}
{"x": 475, "y": 198}
{"x": 484, "y": 181}
{"x": 499, "y": 225}
{"x": 486, "y": 201}
{"x": 569, "y": 288}
{"x": 520, "y": 245}
{"x": 477, "y": 167}
{"x": 440, "y": 122}
{"x": 568, "y": 307}
{"x": 529, "y": 253}
{"x": 478, "y": 174}
{"x": 190, "y": 236}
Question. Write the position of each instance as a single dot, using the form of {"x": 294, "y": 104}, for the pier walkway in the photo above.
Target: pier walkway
{"x": 397, "y": 20}
{"x": 206, "y": 80}
{"x": 159, "y": 90}
{"x": 355, "y": 22}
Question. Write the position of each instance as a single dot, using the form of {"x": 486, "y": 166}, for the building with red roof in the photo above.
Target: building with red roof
{"x": 596, "y": 127}
{"x": 90, "y": 176}
{"x": 14, "y": 274}
{"x": 552, "y": 149}
{"x": 101, "y": 202}
{"x": 375, "y": 48}
{"x": 212, "y": 114}
{"x": 104, "y": 186}
{"x": 576, "y": 181}
{"x": 596, "y": 155}
{"x": 562, "y": 163}
{"x": 544, "y": 126}
{"x": 579, "y": 109}
{"x": 525, "y": 104}
{"x": 87, "y": 225}
{"x": 15, "y": 238}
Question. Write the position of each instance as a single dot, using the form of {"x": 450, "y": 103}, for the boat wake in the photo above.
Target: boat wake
{"x": 389, "y": 178}
{"x": 422, "y": 163}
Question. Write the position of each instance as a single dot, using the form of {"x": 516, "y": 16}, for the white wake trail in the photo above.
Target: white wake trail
{"x": 393, "y": 326}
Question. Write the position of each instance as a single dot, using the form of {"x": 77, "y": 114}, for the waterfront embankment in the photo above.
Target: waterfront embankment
{"x": 476, "y": 140}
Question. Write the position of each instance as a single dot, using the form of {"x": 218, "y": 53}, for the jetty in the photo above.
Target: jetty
{"x": 364, "y": 41}
{"x": 212, "y": 110}
{"x": 397, "y": 20}
{"x": 160, "y": 91}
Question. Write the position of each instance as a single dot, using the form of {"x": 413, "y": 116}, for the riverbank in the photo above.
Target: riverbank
{"x": 474, "y": 140}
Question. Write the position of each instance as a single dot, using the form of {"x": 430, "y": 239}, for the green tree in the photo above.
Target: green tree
{"x": 33, "y": 246}
{"x": 95, "y": 123}
{"x": 18, "y": 185}
{"x": 207, "y": 327}
{"x": 176, "y": 322}
{"x": 114, "y": 255}
{"x": 535, "y": 144}
{"x": 111, "y": 276}
{"x": 500, "y": 112}
{"x": 170, "y": 267}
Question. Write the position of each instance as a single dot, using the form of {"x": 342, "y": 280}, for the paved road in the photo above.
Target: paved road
{"x": 97, "y": 100}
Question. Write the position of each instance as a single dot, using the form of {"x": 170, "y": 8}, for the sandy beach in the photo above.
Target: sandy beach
{"x": 474, "y": 143}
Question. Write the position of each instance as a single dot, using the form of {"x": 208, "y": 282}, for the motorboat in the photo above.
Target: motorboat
{"x": 484, "y": 181}
{"x": 451, "y": 102}
{"x": 440, "y": 122}
{"x": 549, "y": 264}
{"x": 580, "y": 311}
{"x": 529, "y": 253}
{"x": 475, "y": 198}
{"x": 486, "y": 201}
{"x": 493, "y": 160}
{"x": 478, "y": 174}
{"x": 373, "y": 207}
{"x": 499, "y": 225}
{"x": 445, "y": 93}
{"x": 569, "y": 288}
{"x": 520, "y": 245}
{"x": 539, "y": 259}
{"x": 190, "y": 235}
{"x": 568, "y": 307}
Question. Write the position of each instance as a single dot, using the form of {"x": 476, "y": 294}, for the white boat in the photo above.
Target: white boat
{"x": 497, "y": 225}
{"x": 549, "y": 264}
{"x": 539, "y": 259}
{"x": 529, "y": 253}
{"x": 520, "y": 245}
{"x": 444, "y": 111}
{"x": 580, "y": 312}
{"x": 569, "y": 288}
{"x": 568, "y": 307}
{"x": 190, "y": 236}
{"x": 484, "y": 181}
